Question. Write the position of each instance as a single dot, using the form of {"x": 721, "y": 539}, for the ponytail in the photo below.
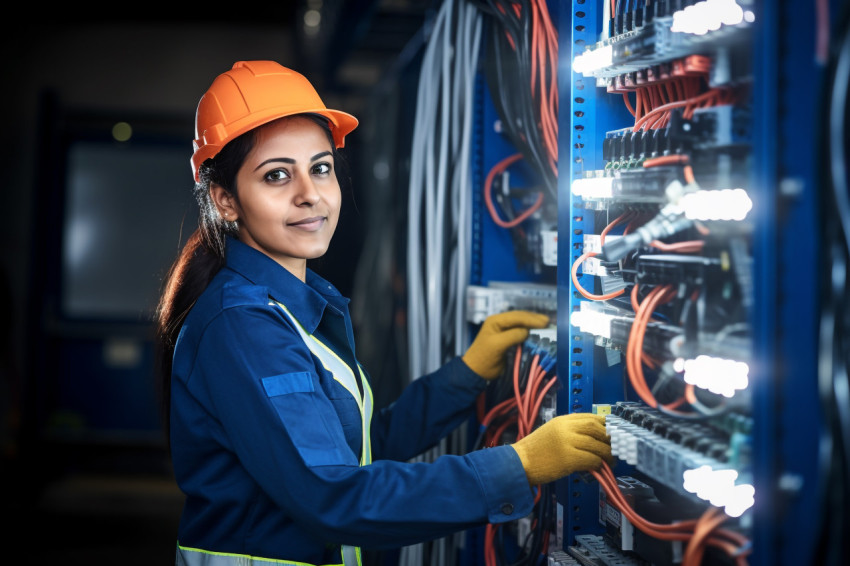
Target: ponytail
{"x": 186, "y": 280}
{"x": 199, "y": 260}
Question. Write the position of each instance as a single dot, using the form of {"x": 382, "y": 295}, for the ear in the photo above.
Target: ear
{"x": 225, "y": 202}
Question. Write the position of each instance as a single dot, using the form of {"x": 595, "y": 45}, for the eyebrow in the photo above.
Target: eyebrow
{"x": 290, "y": 160}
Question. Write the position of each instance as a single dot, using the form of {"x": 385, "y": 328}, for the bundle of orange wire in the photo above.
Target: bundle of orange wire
{"x": 519, "y": 411}
{"x": 683, "y": 86}
{"x": 543, "y": 66}
{"x": 656, "y": 94}
{"x": 659, "y": 116}
{"x": 636, "y": 358}
{"x": 677, "y": 81}
{"x": 543, "y": 89}
{"x": 544, "y": 77}
{"x": 699, "y": 533}
{"x": 522, "y": 409}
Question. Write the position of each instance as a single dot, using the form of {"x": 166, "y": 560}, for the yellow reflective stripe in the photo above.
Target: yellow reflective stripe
{"x": 364, "y": 404}
{"x": 356, "y": 393}
{"x": 367, "y": 421}
{"x": 347, "y": 551}
{"x": 242, "y": 557}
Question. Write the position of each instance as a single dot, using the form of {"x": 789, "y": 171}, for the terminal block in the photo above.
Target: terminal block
{"x": 695, "y": 460}
{"x": 497, "y": 297}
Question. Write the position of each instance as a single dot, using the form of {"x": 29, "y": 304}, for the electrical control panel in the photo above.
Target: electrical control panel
{"x": 669, "y": 235}
{"x": 688, "y": 298}
{"x": 660, "y": 265}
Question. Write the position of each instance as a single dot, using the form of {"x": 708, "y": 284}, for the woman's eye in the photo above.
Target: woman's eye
{"x": 276, "y": 175}
{"x": 321, "y": 169}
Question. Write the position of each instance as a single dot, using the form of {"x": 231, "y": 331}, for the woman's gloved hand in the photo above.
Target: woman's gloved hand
{"x": 486, "y": 354}
{"x": 570, "y": 443}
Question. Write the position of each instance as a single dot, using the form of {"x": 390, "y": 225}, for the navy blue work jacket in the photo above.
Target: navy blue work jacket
{"x": 277, "y": 475}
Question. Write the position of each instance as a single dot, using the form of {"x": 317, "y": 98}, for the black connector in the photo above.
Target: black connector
{"x": 626, "y": 145}
{"x": 658, "y": 269}
{"x": 657, "y": 341}
{"x": 616, "y": 249}
{"x": 669, "y": 221}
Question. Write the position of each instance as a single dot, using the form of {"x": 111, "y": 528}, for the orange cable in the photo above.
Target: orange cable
{"x": 688, "y": 103}
{"x": 634, "y": 297}
{"x": 690, "y": 246}
{"x": 574, "y": 270}
{"x": 529, "y": 393}
{"x": 518, "y": 394}
{"x": 706, "y": 524}
{"x": 628, "y": 102}
{"x": 666, "y": 160}
{"x": 542, "y": 396}
{"x": 634, "y": 348}
{"x": 681, "y": 530}
{"x": 488, "y": 189}
{"x": 634, "y": 352}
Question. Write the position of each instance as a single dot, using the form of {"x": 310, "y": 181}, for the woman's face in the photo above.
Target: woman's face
{"x": 288, "y": 194}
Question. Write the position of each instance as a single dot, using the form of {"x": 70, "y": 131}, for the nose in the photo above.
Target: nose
{"x": 308, "y": 194}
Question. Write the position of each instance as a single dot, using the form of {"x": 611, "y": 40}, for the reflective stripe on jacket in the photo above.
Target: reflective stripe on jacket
{"x": 197, "y": 557}
{"x": 344, "y": 376}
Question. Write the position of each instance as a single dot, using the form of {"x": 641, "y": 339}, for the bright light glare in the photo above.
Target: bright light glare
{"x": 709, "y": 484}
{"x": 593, "y": 187}
{"x": 720, "y": 376}
{"x": 692, "y": 479}
{"x": 741, "y": 498}
{"x": 725, "y": 204}
{"x": 718, "y": 488}
{"x": 592, "y": 322}
{"x": 708, "y": 15}
{"x": 593, "y": 60}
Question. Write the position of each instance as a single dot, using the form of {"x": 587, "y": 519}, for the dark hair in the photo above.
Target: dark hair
{"x": 204, "y": 253}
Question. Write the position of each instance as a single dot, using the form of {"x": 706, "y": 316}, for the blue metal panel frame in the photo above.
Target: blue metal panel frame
{"x": 787, "y": 416}
{"x": 575, "y": 352}
{"x": 763, "y": 194}
{"x": 586, "y": 376}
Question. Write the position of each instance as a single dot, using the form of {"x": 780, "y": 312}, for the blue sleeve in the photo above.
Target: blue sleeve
{"x": 428, "y": 410}
{"x": 265, "y": 395}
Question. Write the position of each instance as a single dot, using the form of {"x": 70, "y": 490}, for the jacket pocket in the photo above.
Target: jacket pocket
{"x": 309, "y": 418}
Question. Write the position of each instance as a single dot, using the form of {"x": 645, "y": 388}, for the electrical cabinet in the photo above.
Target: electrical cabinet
{"x": 688, "y": 272}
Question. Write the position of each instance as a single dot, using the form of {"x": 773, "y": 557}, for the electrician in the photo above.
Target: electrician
{"x": 271, "y": 430}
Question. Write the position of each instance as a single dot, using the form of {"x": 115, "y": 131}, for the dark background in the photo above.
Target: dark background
{"x": 85, "y": 473}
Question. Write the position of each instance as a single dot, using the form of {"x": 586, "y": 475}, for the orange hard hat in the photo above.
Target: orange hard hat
{"x": 251, "y": 94}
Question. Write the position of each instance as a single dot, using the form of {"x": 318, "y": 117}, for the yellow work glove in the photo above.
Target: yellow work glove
{"x": 486, "y": 355}
{"x": 570, "y": 443}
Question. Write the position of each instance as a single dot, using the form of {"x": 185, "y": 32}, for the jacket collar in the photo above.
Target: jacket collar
{"x": 305, "y": 300}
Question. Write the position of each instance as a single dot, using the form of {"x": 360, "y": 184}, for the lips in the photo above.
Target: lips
{"x": 312, "y": 223}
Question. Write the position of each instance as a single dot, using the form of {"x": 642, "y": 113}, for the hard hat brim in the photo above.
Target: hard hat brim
{"x": 213, "y": 140}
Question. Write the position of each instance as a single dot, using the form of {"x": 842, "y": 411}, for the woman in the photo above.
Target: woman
{"x": 272, "y": 435}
